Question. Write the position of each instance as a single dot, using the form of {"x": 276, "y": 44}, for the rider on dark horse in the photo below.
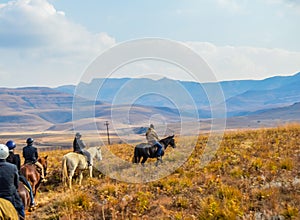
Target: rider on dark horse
{"x": 9, "y": 181}
{"x": 15, "y": 159}
{"x": 153, "y": 140}
{"x": 78, "y": 147}
{"x": 31, "y": 156}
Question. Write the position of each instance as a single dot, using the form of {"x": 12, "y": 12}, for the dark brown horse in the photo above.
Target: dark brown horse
{"x": 146, "y": 151}
{"x": 31, "y": 173}
{"x": 24, "y": 195}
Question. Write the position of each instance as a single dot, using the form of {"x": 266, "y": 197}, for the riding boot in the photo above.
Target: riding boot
{"x": 43, "y": 179}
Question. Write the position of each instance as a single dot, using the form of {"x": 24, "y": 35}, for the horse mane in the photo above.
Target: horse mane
{"x": 163, "y": 141}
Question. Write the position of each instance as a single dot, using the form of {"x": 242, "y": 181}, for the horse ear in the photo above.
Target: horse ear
{"x": 173, "y": 136}
{"x": 46, "y": 157}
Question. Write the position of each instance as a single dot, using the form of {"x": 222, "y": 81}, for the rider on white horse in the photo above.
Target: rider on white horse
{"x": 78, "y": 147}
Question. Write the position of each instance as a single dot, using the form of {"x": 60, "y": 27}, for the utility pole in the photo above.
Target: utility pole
{"x": 106, "y": 124}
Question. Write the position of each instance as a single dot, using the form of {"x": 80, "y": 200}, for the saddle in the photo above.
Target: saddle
{"x": 152, "y": 151}
{"x": 38, "y": 169}
{"x": 86, "y": 158}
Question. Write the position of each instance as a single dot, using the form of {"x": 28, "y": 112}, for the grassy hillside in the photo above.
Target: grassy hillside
{"x": 254, "y": 175}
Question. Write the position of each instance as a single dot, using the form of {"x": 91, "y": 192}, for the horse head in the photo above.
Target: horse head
{"x": 168, "y": 141}
{"x": 98, "y": 154}
{"x": 44, "y": 162}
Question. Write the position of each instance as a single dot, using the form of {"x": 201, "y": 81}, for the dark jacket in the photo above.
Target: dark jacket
{"x": 78, "y": 145}
{"x": 30, "y": 154}
{"x": 9, "y": 182}
{"x": 14, "y": 159}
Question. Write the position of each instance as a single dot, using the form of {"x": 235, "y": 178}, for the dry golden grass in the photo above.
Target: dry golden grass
{"x": 254, "y": 173}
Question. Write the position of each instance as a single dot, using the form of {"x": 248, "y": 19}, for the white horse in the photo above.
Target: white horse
{"x": 71, "y": 161}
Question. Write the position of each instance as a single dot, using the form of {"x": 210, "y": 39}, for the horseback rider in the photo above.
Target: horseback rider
{"x": 30, "y": 155}
{"x": 9, "y": 181}
{"x": 153, "y": 140}
{"x": 15, "y": 159}
{"x": 78, "y": 147}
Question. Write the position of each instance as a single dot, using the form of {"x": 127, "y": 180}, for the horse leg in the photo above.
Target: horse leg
{"x": 156, "y": 163}
{"x": 91, "y": 171}
{"x": 34, "y": 188}
{"x": 71, "y": 174}
{"x": 144, "y": 160}
{"x": 64, "y": 171}
{"x": 137, "y": 159}
{"x": 80, "y": 177}
{"x": 70, "y": 182}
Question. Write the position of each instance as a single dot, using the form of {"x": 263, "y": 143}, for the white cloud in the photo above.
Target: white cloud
{"x": 230, "y": 62}
{"x": 34, "y": 33}
{"x": 41, "y": 46}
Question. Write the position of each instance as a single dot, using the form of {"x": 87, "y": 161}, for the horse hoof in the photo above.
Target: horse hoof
{"x": 32, "y": 208}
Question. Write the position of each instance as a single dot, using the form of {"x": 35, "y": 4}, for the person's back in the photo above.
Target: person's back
{"x": 78, "y": 147}
{"x": 78, "y": 144}
{"x": 30, "y": 155}
{"x": 153, "y": 140}
{"x": 151, "y": 136}
{"x": 14, "y": 159}
{"x": 9, "y": 181}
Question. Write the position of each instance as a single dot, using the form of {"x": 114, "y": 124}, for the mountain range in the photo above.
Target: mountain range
{"x": 44, "y": 109}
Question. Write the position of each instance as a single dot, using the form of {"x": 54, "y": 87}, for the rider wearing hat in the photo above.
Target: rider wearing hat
{"x": 153, "y": 140}
{"x": 30, "y": 155}
{"x": 15, "y": 159}
{"x": 78, "y": 147}
{"x": 9, "y": 181}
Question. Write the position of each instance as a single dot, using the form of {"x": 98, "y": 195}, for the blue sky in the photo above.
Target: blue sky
{"x": 51, "y": 42}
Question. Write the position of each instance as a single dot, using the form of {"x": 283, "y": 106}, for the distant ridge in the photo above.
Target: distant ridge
{"x": 50, "y": 109}
{"x": 241, "y": 96}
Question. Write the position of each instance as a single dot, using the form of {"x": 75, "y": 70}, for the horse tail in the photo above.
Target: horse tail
{"x": 135, "y": 156}
{"x": 64, "y": 170}
{"x": 136, "y": 152}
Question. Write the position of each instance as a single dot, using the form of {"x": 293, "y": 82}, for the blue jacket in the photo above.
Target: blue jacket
{"x": 30, "y": 154}
{"x": 9, "y": 182}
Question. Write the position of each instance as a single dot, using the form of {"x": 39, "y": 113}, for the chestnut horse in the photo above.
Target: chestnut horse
{"x": 32, "y": 174}
{"x": 24, "y": 195}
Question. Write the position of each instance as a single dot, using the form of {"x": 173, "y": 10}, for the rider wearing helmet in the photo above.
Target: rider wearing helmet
{"x": 30, "y": 155}
{"x": 9, "y": 181}
{"x": 153, "y": 140}
{"x": 15, "y": 159}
